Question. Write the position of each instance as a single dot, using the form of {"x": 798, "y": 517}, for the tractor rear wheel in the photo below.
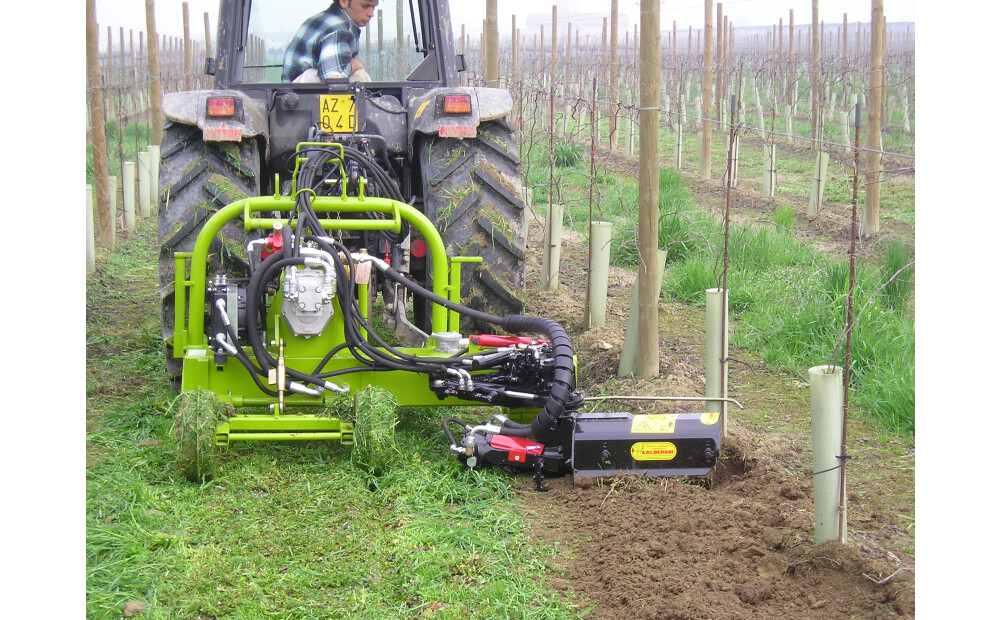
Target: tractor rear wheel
{"x": 197, "y": 178}
{"x": 472, "y": 194}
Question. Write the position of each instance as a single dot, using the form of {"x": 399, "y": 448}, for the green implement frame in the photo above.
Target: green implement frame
{"x": 231, "y": 382}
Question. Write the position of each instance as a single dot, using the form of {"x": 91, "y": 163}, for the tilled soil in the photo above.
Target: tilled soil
{"x": 739, "y": 545}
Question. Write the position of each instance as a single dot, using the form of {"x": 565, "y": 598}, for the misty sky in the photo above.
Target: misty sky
{"x": 130, "y": 14}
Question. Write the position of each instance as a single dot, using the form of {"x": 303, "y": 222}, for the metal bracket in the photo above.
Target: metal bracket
{"x": 401, "y": 326}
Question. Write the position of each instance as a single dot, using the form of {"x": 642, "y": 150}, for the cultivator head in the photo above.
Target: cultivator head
{"x": 295, "y": 335}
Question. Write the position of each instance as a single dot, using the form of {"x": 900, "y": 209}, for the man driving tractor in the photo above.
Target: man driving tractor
{"x": 326, "y": 46}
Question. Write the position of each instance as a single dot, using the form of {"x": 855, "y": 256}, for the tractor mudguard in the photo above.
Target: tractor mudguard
{"x": 249, "y": 116}
{"x": 426, "y": 113}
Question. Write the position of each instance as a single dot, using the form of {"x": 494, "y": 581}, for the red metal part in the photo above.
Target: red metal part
{"x": 457, "y": 131}
{"x": 222, "y": 135}
{"x": 517, "y": 448}
{"x": 489, "y": 340}
{"x": 274, "y": 244}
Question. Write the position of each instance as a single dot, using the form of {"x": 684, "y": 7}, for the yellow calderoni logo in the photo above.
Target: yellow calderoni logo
{"x": 654, "y": 451}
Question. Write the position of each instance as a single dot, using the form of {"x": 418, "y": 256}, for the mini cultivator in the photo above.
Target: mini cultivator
{"x": 294, "y": 334}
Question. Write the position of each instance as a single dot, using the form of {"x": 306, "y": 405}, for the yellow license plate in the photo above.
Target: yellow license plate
{"x": 336, "y": 113}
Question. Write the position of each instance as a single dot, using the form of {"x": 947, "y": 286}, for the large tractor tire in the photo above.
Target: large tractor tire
{"x": 472, "y": 194}
{"x": 197, "y": 178}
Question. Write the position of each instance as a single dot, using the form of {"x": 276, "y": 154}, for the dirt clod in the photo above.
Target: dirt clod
{"x": 133, "y": 608}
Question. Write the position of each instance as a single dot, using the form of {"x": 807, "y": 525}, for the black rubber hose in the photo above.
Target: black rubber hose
{"x": 517, "y": 432}
{"x": 447, "y": 432}
{"x": 263, "y": 274}
{"x": 241, "y": 356}
{"x": 544, "y": 424}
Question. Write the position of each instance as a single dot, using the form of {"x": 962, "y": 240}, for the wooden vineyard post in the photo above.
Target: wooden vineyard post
{"x": 399, "y": 40}
{"x": 492, "y": 45}
{"x": 791, "y": 59}
{"x": 91, "y": 249}
{"x": 870, "y": 224}
{"x": 704, "y": 153}
{"x": 155, "y": 87}
{"x": 97, "y": 128}
{"x": 514, "y": 55}
{"x": 208, "y": 38}
{"x": 814, "y": 119}
{"x": 649, "y": 188}
{"x": 613, "y": 80}
{"x": 720, "y": 113}
{"x": 188, "y": 71}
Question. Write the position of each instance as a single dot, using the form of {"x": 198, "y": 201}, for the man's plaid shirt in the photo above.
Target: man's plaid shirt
{"x": 325, "y": 42}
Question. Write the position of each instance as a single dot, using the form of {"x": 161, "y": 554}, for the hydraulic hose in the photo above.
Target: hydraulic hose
{"x": 544, "y": 425}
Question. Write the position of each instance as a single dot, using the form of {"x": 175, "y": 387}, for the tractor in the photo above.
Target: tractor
{"x": 318, "y": 239}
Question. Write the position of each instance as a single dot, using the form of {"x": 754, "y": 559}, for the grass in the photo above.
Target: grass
{"x": 284, "y": 529}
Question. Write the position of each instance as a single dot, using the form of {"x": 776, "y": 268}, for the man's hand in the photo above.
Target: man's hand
{"x": 356, "y": 65}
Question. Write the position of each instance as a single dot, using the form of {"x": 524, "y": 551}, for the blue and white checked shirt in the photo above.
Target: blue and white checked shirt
{"x": 326, "y": 42}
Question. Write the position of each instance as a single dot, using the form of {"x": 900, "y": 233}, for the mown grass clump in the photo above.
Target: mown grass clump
{"x": 197, "y": 414}
{"x": 375, "y": 429}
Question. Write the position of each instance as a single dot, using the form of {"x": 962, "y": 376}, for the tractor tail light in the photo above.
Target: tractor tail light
{"x": 457, "y": 104}
{"x": 221, "y": 107}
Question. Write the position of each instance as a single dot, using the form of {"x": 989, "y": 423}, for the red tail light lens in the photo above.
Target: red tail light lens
{"x": 221, "y": 107}
{"x": 457, "y": 104}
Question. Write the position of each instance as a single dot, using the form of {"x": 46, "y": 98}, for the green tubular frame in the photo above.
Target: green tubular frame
{"x": 232, "y": 383}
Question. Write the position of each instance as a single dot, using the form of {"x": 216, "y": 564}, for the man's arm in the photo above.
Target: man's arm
{"x": 335, "y": 60}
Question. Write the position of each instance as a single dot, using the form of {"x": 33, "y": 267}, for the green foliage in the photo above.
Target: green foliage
{"x": 762, "y": 247}
{"x": 897, "y": 273}
{"x": 566, "y": 154}
{"x": 689, "y": 279}
{"x": 785, "y": 217}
